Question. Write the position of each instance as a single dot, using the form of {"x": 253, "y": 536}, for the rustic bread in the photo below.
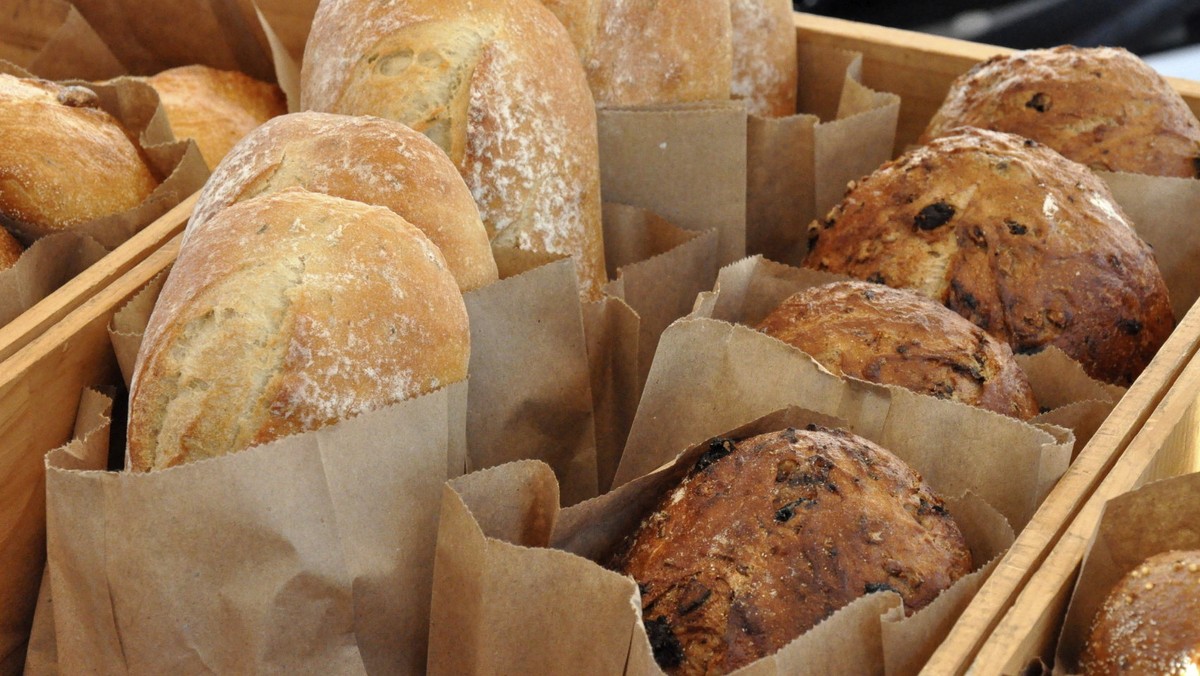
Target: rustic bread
{"x": 63, "y": 160}
{"x": 366, "y": 159}
{"x": 10, "y": 250}
{"x": 645, "y": 52}
{"x": 1148, "y": 624}
{"x": 292, "y": 311}
{"x": 897, "y": 337}
{"x": 1026, "y": 244}
{"x": 1102, "y": 107}
{"x": 496, "y": 85}
{"x": 768, "y": 536}
{"x": 215, "y": 107}
{"x": 765, "y": 66}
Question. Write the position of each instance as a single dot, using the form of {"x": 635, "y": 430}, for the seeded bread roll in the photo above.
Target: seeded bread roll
{"x": 1026, "y": 244}
{"x": 366, "y": 159}
{"x": 896, "y": 337}
{"x": 63, "y": 160}
{"x": 645, "y": 52}
{"x": 291, "y": 312}
{"x": 768, "y": 536}
{"x": 10, "y": 250}
{"x": 215, "y": 107}
{"x": 1102, "y": 107}
{"x": 493, "y": 82}
{"x": 765, "y": 66}
{"x": 1148, "y": 624}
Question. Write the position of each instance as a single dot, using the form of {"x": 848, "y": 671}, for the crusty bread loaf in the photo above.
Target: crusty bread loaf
{"x": 768, "y": 536}
{"x": 765, "y": 66}
{"x": 897, "y": 337}
{"x": 63, "y": 160}
{"x": 215, "y": 107}
{"x": 10, "y": 250}
{"x": 1150, "y": 622}
{"x": 1026, "y": 244}
{"x": 1102, "y": 107}
{"x": 292, "y": 311}
{"x": 644, "y": 52}
{"x": 366, "y": 159}
{"x": 496, "y": 85}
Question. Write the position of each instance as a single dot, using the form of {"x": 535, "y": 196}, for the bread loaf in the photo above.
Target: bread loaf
{"x": 645, "y": 52}
{"x": 10, "y": 250}
{"x": 495, "y": 84}
{"x": 1027, "y": 245}
{"x": 897, "y": 337}
{"x": 290, "y": 312}
{"x": 215, "y": 107}
{"x": 63, "y": 160}
{"x": 366, "y": 159}
{"x": 768, "y": 536}
{"x": 764, "y": 56}
{"x": 1149, "y": 622}
{"x": 1102, "y": 107}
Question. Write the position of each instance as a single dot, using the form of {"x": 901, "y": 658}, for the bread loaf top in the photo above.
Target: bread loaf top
{"x": 292, "y": 311}
{"x": 765, "y": 68}
{"x": 366, "y": 159}
{"x": 64, "y": 160}
{"x": 1102, "y": 107}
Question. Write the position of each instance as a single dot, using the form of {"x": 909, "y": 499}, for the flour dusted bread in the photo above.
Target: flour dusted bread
{"x": 1150, "y": 622}
{"x": 496, "y": 85}
{"x": 897, "y": 337}
{"x": 215, "y": 107}
{"x": 63, "y": 160}
{"x": 768, "y": 536}
{"x": 291, "y": 312}
{"x": 1102, "y": 107}
{"x": 765, "y": 68}
{"x": 10, "y": 250}
{"x": 645, "y": 52}
{"x": 366, "y": 159}
{"x": 1027, "y": 245}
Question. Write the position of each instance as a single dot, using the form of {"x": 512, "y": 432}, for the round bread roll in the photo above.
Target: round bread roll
{"x": 896, "y": 337}
{"x": 215, "y": 107}
{"x": 366, "y": 159}
{"x": 493, "y": 82}
{"x": 1026, "y": 244}
{"x": 63, "y": 160}
{"x": 1102, "y": 107}
{"x": 291, "y": 312}
{"x": 10, "y": 250}
{"x": 765, "y": 66}
{"x": 766, "y": 538}
{"x": 645, "y": 52}
{"x": 1149, "y": 622}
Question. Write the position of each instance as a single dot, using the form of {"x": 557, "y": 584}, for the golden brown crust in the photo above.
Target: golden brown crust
{"x": 1102, "y": 107}
{"x": 645, "y": 52}
{"x": 63, "y": 161}
{"x": 765, "y": 539}
{"x": 292, "y": 311}
{"x": 366, "y": 159}
{"x": 896, "y": 337}
{"x": 1148, "y": 624}
{"x": 765, "y": 66}
{"x": 1026, "y": 244}
{"x": 10, "y": 250}
{"x": 495, "y": 84}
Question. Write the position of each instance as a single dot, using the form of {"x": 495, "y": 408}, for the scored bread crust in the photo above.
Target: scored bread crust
{"x": 766, "y": 538}
{"x": 215, "y": 107}
{"x": 63, "y": 160}
{"x": 897, "y": 337}
{"x": 1102, "y": 107}
{"x": 366, "y": 159}
{"x": 496, "y": 85}
{"x": 292, "y": 311}
{"x": 765, "y": 68}
{"x": 1148, "y": 623}
{"x": 1026, "y": 244}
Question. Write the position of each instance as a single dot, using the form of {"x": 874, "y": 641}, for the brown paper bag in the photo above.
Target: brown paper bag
{"x": 747, "y": 291}
{"x": 1156, "y": 518}
{"x": 799, "y": 165}
{"x": 51, "y": 262}
{"x": 52, "y": 40}
{"x": 495, "y": 580}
